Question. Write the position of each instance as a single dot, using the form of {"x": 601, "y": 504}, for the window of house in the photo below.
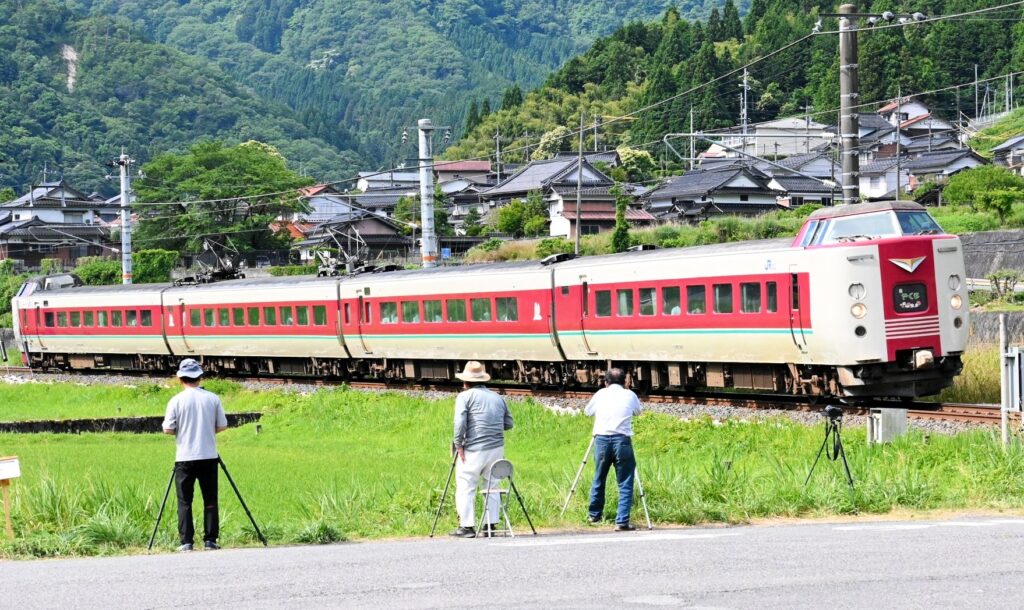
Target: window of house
{"x": 320, "y": 315}
{"x": 287, "y": 319}
{"x": 48, "y": 318}
{"x": 195, "y": 317}
{"x": 147, "y": 317}
{"x": 131, "y": 318}
{"x": 89, "y": 317}
{"x": 224, "y": 317}
{"x": 254, "y": 316}
{"x": 432, "y": 311}
{"x": 696, "y": 299}
{"x": 209, "y": 317}
{"x": 750, "y": 297}
{"x": 302, "y": 315}
{"x": 723, "y": 298}
{"x": 389, "y": 313}
{"x": 239, "y": 316}
{"x": 101, "y": 319}
{"x": 603, "y": 303}
{"x": 625, "y": 302}
{"x": 269, "y": 316}
{"x": 508, "y": 309}
{"x": 772, "y": 296}
{"x": 588, "y": 228}
{"x": 481, "y": 309}
{"x": 116, "y": 318}
{"x": 456, "y": 310}
{"x": 648, "y": 304}
{"x": 411, "y": 312}
{"x": 744, "y": 197}
{"x": 670, "y": 300}
{"x": 76, "y": 318}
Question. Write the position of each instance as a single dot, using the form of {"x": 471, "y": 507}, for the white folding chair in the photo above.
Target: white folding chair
{"x": 497, "y": 472}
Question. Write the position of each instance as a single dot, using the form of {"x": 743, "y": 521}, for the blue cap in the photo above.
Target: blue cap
{"x": 190, "y": 368}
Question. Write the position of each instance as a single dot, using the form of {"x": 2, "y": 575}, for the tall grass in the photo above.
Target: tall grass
{"x": 979, "y": 381}
{"x": 342, "y": 465}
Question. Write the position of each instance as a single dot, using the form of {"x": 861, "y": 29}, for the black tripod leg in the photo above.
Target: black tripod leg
{"x": 519, "y": 498}
{"x": 444, "y": 494}
{"x": 239, "y": 494}
{"x": 846, "y": 465}
{"x": 160, "y": 515}
{"x": 820, "y": 451}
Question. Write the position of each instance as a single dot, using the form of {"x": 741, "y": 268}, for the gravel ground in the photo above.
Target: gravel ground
{"x": 562, "y": 406}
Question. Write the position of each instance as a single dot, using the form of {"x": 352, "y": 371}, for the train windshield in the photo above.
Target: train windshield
{"x": 877, "y": 225}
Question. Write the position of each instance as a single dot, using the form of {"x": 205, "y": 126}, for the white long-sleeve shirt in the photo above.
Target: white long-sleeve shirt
{"x": 613, "y": 409}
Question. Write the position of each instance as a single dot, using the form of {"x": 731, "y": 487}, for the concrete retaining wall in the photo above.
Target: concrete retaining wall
{"x": 985, "y": 327}
{"x": 990, "y": 251}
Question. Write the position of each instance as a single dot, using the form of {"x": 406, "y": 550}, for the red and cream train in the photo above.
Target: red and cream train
{"x": 867, "y": 301}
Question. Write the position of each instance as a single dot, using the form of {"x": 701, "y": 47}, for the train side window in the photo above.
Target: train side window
{"x": 116, "y": 318}
{"x": 603, "y": 303}
{"x": 772, "y": 296}
{"x": 432, "y": 311}
{"x": 670, "y": 300}
{"x": 48, "y": 318}
{"x": 286, "y": 316}
{"x": 238, "y": 313}
{"x": 723, "y": 298}
{"x": 348, "y": 312}
{"x": 750, "y": 296}
{"x": 481, "y": 309}
{"x": 76, "y": 318}
{"x": 195, "y": 317}
{"x": 812, "y": 227}
{"x": 794, "y": 302}
{"x": 147, "y": 317}
{"x": 131, "y": 318}
{"x": 648, "y": 301}
{"x": 320, "y": 315}
{"x": 209, "y": 317}
{"x": 625, "y": 302}
{"x": 411, "y": 312}
{"x": 389, "y": 313}
{"x": 302, "y": 315}
{"x": 456, "y": 310}
{"x": 508, "y": 309}
{"x": 223, "y": 316}
{"x": 254, "y": 316}
{"x": 269, "y": 316}
{"x": 62, "y": 318}
{"x": 88, "y": 318}
{"x": 101, "y": 319}
{"x": 696, "y": 299}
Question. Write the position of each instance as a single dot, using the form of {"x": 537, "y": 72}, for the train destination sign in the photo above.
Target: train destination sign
{"x": 910, "y": 298}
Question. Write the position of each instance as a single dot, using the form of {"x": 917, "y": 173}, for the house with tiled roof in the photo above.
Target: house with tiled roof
{"x": 939, "y": 166}
{"x": 699, "y": 194}
{"x": 33, "y": 239}
{"x": 476, "y": 171}
{"x": 595, "y": 213}
{"x": 877, "y": 179}
{"x": 1010, "y": 154}
{"x": 60, "y": 203}
{"x": 795, "y": 191}
{"x": 388, "y": 179}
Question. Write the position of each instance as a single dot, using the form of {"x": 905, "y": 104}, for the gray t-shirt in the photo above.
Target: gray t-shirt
{"x": 481, "y": 418}
{"x": 195, "y": 414}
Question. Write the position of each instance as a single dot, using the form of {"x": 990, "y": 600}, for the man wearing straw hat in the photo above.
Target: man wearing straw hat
{"x": 481, "y": 418}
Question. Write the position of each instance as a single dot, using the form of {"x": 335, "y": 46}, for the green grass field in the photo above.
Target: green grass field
{"x": 343, "y": 464}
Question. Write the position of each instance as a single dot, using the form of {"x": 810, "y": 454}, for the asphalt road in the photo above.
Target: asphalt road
{"x": 959, "y": 563}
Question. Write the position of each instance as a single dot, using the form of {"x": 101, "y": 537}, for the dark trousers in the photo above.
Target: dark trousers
{"x": 185, "y": 476}
{"x": 617, "y": 450}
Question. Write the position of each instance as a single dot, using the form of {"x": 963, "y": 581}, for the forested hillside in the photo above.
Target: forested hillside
{"x": 643, "y": 63}
{"x": 74, "y": 91}
{"x": 361, "y": 70}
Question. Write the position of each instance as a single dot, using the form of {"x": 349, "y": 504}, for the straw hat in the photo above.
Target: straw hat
{"x": 474, "y": 371}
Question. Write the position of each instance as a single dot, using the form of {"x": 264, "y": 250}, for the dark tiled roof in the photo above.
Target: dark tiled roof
{"x": 699, "y": 183}
{"x": 1010, "y": 144}
{"x": 539, "y": 174}
{"x": 879, "y": 166}
{"x": 939, "y": 160}
{"x": 799, "y": 184}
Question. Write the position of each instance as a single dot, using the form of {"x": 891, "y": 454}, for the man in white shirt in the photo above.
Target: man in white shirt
{"x": 195, "y": 416}
{"x": 613, "y": 408}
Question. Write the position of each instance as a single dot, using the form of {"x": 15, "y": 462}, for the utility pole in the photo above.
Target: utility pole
{"x": 597, "y": 122}
{"x": 849, "y": 87}
{"x": 125, "y": 163}
{"x": 743, "y": 110}
{"x": 429, "y": 237}
{"x": 975, "y": 92}
{"x": 497, "y": 152}
{"x": 693, "y": 147}
{"x": 899, "y": 136}
{"x": 579, "y": 186}
{"x": 807, "y": 126}
{"x": 526, "y": 147}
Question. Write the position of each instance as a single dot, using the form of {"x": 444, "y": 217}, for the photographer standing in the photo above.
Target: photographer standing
{"x": 613, "y": 408}
{"x": 195, "y": 416}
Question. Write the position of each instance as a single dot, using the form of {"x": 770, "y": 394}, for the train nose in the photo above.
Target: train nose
{"x": 924, "y": 359}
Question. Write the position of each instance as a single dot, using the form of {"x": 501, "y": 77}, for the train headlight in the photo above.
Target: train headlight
{"x": 857, "y": 291}
{"x": 859, "y": 310}
{"x": 954, "y": 282}
{"x": 956, "y": 301}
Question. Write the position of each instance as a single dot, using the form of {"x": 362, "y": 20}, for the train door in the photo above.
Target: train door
{"x": 182, "y": 320}
{"x": 362, "y": 317}
{"x": 39, "y": 324}
{"x": 585, "y": 315}
{"x": 796, "y": 311}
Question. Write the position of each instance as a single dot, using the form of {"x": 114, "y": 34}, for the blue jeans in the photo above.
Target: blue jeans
{"x": 614, "y": 449}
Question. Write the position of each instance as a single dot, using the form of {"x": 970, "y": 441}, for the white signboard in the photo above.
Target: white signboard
{"x": 9, "y": 468}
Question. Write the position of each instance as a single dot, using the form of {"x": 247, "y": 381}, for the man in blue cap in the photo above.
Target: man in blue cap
{"x": 195, "y": 416}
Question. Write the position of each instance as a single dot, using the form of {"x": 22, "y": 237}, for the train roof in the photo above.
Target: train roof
{"x": 851, "y": 209}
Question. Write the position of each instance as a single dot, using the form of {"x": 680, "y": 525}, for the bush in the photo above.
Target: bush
{"x": 49, "y": 266}
{"x": 286, "y": 270}
{"x": 153, "y": 266}
{"x": 98, "y": 272}
{"x": 491, "y": 244}
{"x": 554, "y": 245}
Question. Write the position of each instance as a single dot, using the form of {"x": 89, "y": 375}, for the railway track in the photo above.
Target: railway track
{"x": 981, "y": 414}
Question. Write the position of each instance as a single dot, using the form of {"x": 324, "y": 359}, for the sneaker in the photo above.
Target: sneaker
{"x": 592, "y": 520}
{"x": 211, "y": 546}
{"x": 185, "y": 548}
{"x": 464, "y": 532}
{"x": 624, "y": 527}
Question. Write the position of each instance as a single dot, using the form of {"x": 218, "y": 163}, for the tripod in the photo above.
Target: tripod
{"x": 444, "y": 494}
{"x": 833, "y": 432}
{"x": 170, "y": 482}
{"x": 579, "y": 473}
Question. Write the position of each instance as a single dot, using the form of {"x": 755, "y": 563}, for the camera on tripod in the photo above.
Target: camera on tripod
{"x": 834, "y": 412}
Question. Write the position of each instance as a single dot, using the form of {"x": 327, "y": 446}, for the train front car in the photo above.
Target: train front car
{"x": 899, "y": 324}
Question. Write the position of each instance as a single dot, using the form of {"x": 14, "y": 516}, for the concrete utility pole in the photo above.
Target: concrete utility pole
{"x": 125, "y": 163}
{"x": 579, "y": 186}
{"x": 899, "y": 109}
{"x": 597, "y": 123}
{"x": 743, "y": 111}
{"x": 429, "y": 239}
{"x": 693, "y": 144}
{"x": 849, "y": 86}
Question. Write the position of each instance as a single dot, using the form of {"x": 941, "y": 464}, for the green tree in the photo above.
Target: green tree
{"x": 999, "y": 201}
{"x": 551, "y": 142}
{"x": 408, "y": 210}
{"x": 638, "y": 164}
{"x": 731, "y": 25}
{"x": 243, "y": 189}
{"x": 152, "y": 266}
{"x": 512, "y": 98}
{"x": 965, "y": 187}
{"x": 620, "y": 236}
{"x": 472, "y": 117}
{"x": 485, "y": 108}
{"x": 715, "y": 31}
{"x": 521, "y": 218}
{"x": 472, "y": 224}
{"x": 7, "y": 194}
